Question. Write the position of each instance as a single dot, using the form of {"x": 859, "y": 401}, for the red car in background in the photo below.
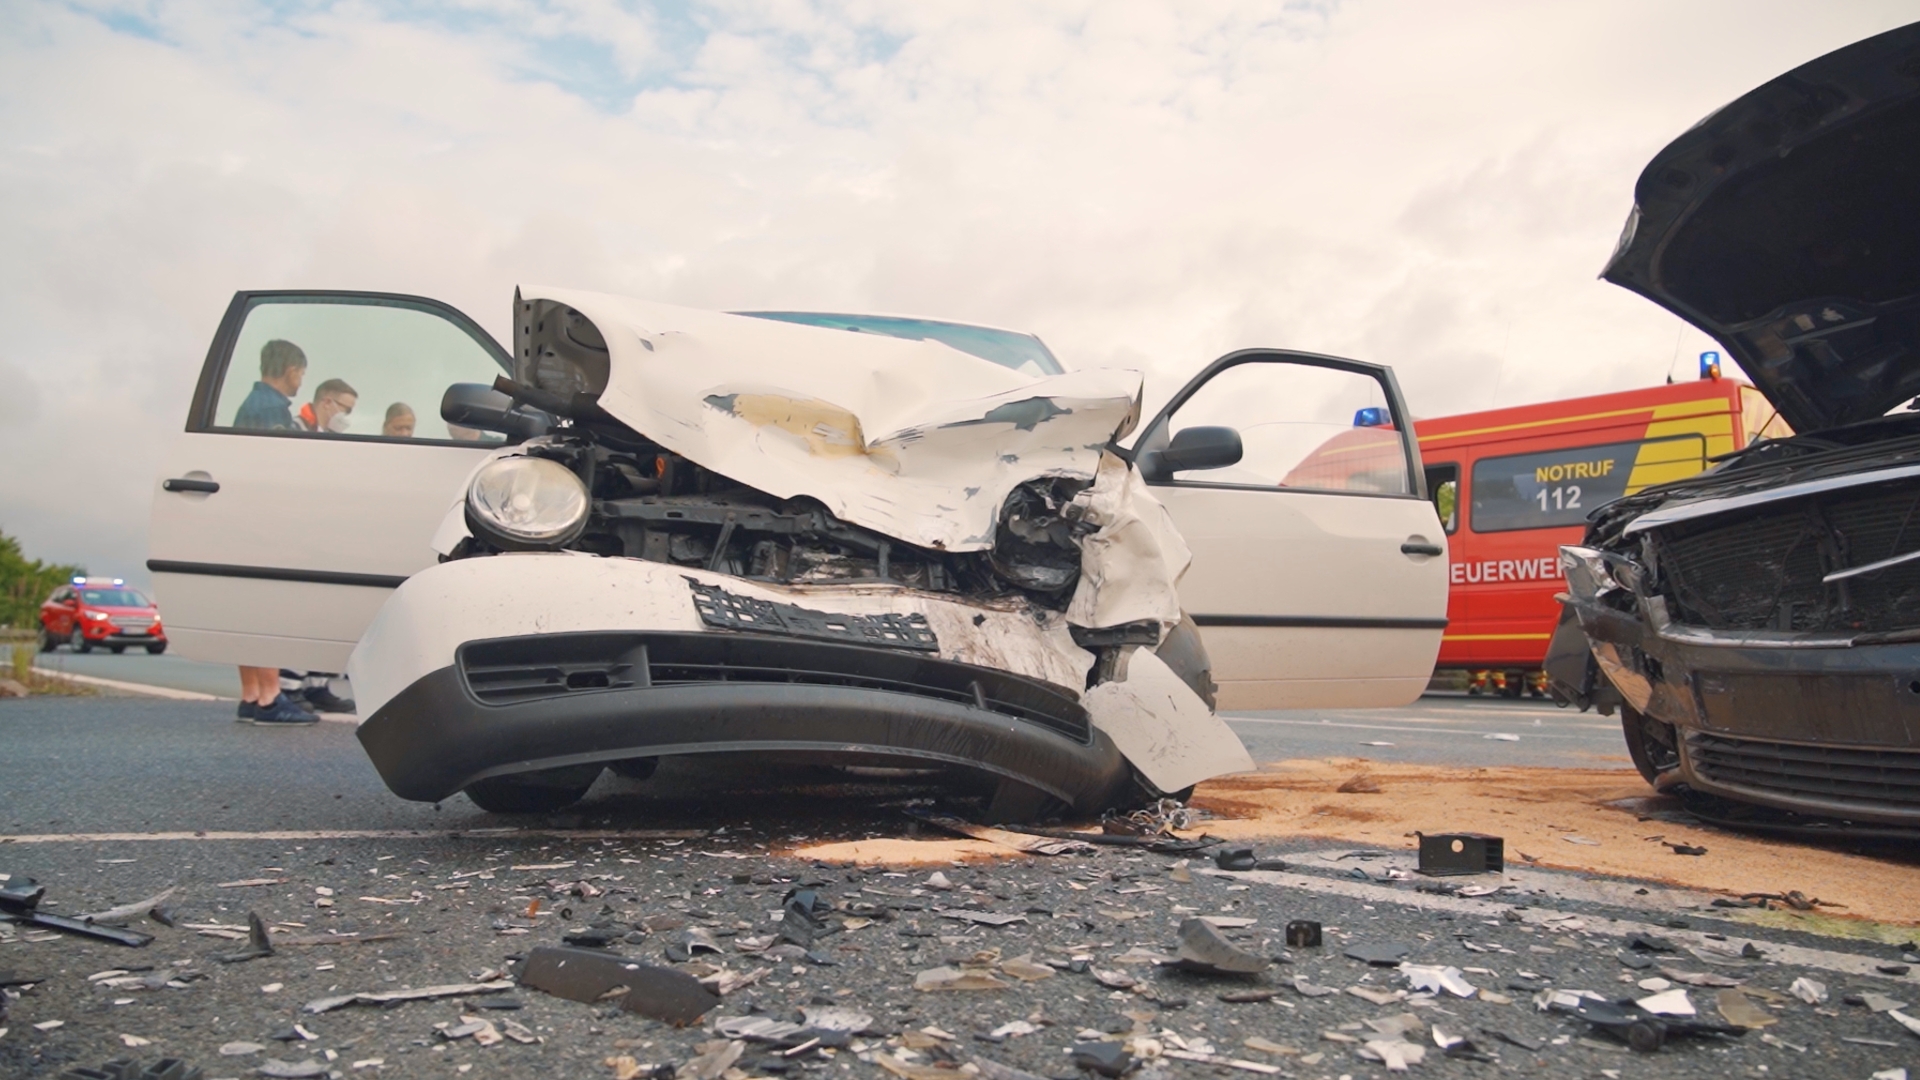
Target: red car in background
{"x": 95, "y": 612}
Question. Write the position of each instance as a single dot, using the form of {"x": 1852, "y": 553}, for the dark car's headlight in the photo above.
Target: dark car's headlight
{"x": 526, "y": 504}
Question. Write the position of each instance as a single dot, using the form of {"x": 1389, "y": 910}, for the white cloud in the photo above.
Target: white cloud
{"x": 1150, "y": 184}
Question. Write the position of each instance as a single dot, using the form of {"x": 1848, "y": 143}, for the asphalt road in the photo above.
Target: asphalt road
{"x": 137, "y": 666}
{"x": 107, "y": 800}
{"x": 1439, "y": 729}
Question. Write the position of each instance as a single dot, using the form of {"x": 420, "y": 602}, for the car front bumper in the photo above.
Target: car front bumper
{"x": 1824, "y": 726}
{"x": 489, "y": 667}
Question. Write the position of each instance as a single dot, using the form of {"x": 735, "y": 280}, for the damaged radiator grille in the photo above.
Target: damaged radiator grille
{"x": 1765, "y": 571}
{"x": 511, "y": 671}
{"x": 1839, "y": 778}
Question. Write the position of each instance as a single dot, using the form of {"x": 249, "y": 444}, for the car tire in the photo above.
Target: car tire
{"x": 116, "y": 649}
{"x": 534, "y": 792}
{"x": 157, "y": 648}
{"x": 1650, "y": 743}
{"x": 48, "y": 642}
{"x": 78, "y": 641}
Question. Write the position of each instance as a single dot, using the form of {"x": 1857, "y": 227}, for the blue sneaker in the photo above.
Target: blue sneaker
{"x": 283, "y": 713}
{"x": 246, "y": 713}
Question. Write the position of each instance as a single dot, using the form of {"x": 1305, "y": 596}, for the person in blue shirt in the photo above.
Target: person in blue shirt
{"x": 268, "y": 407}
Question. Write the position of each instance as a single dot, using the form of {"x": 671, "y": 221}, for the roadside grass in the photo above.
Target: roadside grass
{"x": 24, "y": 653}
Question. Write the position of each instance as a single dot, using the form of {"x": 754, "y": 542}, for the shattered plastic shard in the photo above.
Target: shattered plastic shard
{"x": 1808, "y": 990}
{"x": 590, "y": 975}
{"x": 1204, "y": 950}
{"x": 1378, "y": 953}
{"x": 946, "y": 978}
{"x": 1437, "y": 979}
{"x": 1668, "y": 1003}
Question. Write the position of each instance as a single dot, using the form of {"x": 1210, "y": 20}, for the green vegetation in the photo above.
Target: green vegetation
{"x": 24, "y": 583}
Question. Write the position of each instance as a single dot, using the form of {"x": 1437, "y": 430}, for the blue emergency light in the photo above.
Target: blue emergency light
{"x": 1371, "y": 416}
{"x": 1709, "y": 365}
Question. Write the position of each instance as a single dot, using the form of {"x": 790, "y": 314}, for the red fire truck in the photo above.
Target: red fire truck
{"x": 1512, "y": 485}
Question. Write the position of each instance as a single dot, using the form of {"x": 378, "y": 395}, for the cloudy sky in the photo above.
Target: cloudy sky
{"x": 1432, "y": 186}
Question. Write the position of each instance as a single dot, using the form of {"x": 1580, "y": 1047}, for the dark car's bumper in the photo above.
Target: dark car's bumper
{"x": 513, "y": 705}
{"x": 1826, "y": 729}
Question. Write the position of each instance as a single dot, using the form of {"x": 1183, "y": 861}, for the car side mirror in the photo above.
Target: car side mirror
{"x": 1205, "y": 447}
{"x": 479, "y": 406}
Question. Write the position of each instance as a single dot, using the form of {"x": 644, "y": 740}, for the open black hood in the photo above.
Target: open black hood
{"x": 1787, "y": 225}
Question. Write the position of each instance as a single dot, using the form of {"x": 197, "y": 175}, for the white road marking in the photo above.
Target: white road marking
{"x": 1825, "y": 959}
{"x": 1528, "y": 733}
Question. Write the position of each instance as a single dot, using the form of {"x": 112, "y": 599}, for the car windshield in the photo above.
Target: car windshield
{"x": 114, "y": 598}
{"x": 1021, "y": 352}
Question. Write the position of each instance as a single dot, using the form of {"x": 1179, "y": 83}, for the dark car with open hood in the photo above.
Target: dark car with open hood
{"x": 1758, "y": 626}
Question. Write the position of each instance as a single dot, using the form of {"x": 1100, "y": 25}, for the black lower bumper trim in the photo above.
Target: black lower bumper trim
{"x": 435, "y": 738}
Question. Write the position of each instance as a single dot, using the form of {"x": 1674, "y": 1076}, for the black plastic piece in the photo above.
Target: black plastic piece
{"x": 723, "y": 610}
{"x": 20, "y": 901}
{"x": 1445, "y": 854}
{"x": 182, "y": 483}
{"x": 1303, "y": 934}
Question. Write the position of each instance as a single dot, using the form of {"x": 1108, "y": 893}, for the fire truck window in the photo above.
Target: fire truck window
{"x": 1443, "y": 487}
{"x": 1300, "y": 427}
{"x": 1561, "y": 487}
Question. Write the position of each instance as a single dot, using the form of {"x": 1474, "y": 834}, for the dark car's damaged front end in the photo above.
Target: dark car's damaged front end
{"x": 1758, "y": 626}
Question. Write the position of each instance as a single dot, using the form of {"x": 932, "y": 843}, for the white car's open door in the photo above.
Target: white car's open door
{"x": 1319, "y": 574}
{"x": 274, "y": 546}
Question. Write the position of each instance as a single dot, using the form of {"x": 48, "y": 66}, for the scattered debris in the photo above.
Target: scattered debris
{"x": 1436, "y": 979}
{"x": 1031, "y": 844}
{"x": 947, "y": 978}
{"x": 1811, "y": 991}
{"x": 590, "y": 975}
{"x": 20, "y": 898}
{"x": 259, "y": 944}
{"x": 1203, "y": 949}
{"x": 1644, "y": 1031}
{"x": 1109, "y": 1059}
{"x": 1362, "y": 783}
{"x": 390, "y": 997}
{"x": 1242, "y": 859}
{"x": 1673, "y": 1002}
{"x": 1685, "y": 849}
{"x": 293, "y": 1070}
{"x": 1379, "y": 953}
{"x": 1447, "y": 854}
{"x": 129, "y": 1069}
{"x": 134, "y": 910}
{"x": 1303, "y": 934}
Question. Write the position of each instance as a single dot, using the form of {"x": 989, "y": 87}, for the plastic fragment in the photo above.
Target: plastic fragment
{"x": 1811, "y": 991}
{"x": 1205, "y": 951}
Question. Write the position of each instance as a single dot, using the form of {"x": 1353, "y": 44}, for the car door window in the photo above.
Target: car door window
{"x": 355, "y": 367}
{"x": 1302, "y": 427}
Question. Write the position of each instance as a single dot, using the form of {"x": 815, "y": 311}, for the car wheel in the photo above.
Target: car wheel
{"x": 48, "y": 642}
{"x": 116, "y": 649}
{"x": 157, "y": 648}
{"x": 79, "y": 641}
{"x": 534, "y": 792}
{"x": 1652, "y": 745}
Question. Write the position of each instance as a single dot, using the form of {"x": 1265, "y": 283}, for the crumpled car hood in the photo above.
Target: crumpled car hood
{"x": 1787, "y": 226}
{"x": 910, "y": 438}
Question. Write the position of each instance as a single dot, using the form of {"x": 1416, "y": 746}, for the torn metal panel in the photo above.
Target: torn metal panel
{"x": 1163, "y": 728}
{"x": 911, "y": 438}
{"x": 1131, "y": 566}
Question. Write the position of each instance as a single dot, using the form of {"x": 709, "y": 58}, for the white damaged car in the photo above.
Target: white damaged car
{"x": 650, "y": 531}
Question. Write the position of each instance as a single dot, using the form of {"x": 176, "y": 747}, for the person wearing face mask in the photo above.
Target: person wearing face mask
{"x": 331, "y": 408}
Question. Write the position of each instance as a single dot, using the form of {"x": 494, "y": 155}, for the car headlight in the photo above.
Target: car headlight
{"x": 100, "y": 616}
{"x": 526, "y": 504}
